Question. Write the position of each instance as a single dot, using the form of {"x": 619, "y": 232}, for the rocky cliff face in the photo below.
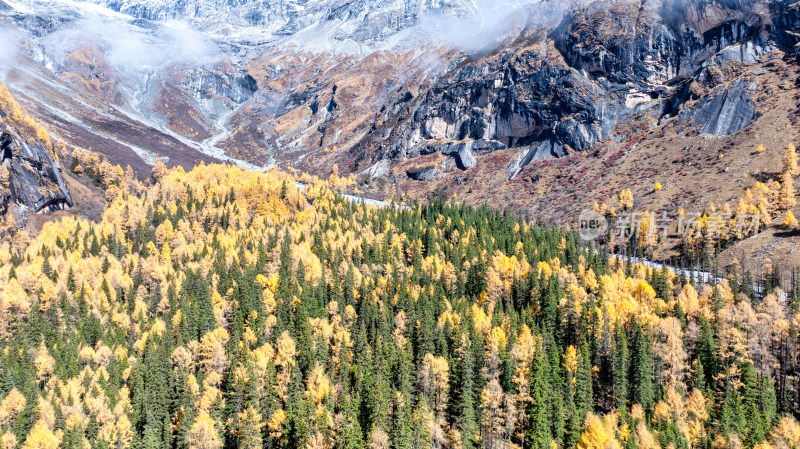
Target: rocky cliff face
{"x": 260, "y": 21}
{"x": 565, "y": 88}
{"x": 368, "y": 83}
{"x": 724, "y": 111}
{"x": 31, "y": 179}
{"x": 517, "y": 99}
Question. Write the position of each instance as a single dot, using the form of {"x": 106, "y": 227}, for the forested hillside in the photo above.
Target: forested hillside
{"x": 225, "y": 308}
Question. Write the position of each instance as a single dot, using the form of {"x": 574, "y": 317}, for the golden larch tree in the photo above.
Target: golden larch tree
{"x": 203, "y": 434}
{"x": 626, "y": 199}
{"x": 787, "y": 193}
{"x": 594, "y": 435}
{"x": 790, "y": 222}
{"x": 41, "y": 437}
{"x": 790, "y": 160}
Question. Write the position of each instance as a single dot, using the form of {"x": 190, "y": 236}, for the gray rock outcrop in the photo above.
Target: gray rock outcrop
{"x": 725, "y": 111}
{"x": 545, "y": 150}
{"x": 464, "y": 152}
{"x": 32, "y": 180}
{"x": 422, "y": 174}
{"x": 567, "y": 88}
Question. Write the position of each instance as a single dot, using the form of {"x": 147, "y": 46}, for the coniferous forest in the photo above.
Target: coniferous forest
{"x": 222, "y": 308}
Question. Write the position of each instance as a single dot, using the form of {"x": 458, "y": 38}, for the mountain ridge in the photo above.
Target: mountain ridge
{"x": 567, "y": 82}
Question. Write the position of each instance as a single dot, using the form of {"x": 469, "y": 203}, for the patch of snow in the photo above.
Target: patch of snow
{"x": 20, "y": 6}
{"x": 92, "y": 8}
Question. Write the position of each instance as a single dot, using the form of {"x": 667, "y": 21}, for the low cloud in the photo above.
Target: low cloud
{"x": 132, "y": 49}
{"x": 491, "y": 21}
{"x": 9, "y": 47}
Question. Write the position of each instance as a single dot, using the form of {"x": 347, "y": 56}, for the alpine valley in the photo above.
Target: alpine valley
{"x": 545, "y": 107}
{"x": 399, "y": 224}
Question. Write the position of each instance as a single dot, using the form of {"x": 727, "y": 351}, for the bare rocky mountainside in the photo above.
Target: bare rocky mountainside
{"x": 543, "y": 106}
{"x": 31, "y": 178}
